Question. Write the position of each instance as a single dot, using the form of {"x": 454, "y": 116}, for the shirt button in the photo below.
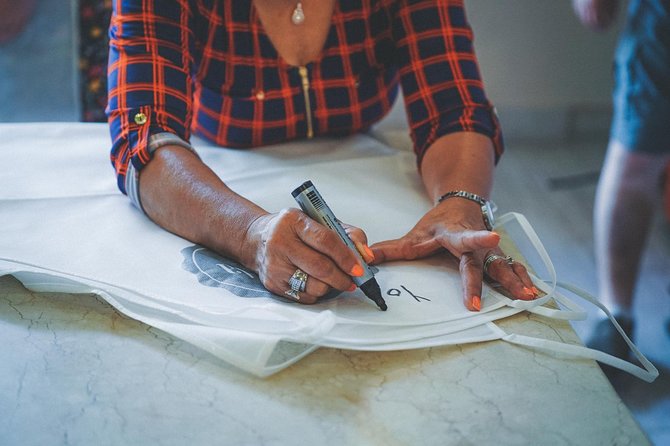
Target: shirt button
{"x": 260, "y": 95}
{"x": 140, "y": 118}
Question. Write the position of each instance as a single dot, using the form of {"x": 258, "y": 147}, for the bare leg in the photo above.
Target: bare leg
{"x": 627, "y": 196}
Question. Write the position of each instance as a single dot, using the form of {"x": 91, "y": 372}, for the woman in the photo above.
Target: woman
{"x": 246, "y": 73}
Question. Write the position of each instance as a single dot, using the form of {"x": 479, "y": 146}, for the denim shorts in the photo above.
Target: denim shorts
{"x": 641, "y": 97}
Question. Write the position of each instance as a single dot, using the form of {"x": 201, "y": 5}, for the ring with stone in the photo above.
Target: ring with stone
{"x": 293, "y": 293}
{"x": 298, "y": 280}
{"x": 493, "y": 257}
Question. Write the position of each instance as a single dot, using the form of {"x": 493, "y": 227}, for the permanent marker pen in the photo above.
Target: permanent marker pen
{"x": 313, "y": 204}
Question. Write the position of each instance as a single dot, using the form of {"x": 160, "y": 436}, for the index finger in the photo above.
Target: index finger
{"x": 468, "y": 241}
{"x": 472, "y": 275}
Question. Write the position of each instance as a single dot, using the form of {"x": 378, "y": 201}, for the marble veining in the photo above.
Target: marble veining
{"x": 75, "y": 371}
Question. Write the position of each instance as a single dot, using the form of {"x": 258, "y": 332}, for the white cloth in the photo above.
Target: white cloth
{"x": 67, "y": 228}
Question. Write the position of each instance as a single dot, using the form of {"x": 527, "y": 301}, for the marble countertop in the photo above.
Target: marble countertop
{"x": 75, "y": 371}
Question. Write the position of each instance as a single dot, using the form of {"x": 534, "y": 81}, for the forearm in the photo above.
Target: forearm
{"x": 459, "y": 161}
{"x": 181, "y": 194}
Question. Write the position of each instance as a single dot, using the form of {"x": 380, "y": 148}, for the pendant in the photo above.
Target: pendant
{"x": 298, "y": 15}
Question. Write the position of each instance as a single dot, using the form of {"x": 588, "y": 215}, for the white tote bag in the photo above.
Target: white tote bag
{"x": 78, "y": 234}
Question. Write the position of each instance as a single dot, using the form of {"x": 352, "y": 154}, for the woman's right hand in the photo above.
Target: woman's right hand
{"x": 278, "y": 244}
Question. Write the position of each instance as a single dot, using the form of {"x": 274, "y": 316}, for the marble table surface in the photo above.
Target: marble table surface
{"x": 75, "y": 371}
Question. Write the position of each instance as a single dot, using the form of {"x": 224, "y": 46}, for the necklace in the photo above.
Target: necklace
{"x": 298, "y": 15}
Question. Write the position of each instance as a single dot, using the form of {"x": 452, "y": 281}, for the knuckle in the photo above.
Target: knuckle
{"x": 308, "y": 300}
{"x": 356, "y": 233}
{"x": 320, "y": 289}
{"x": 288, "y": 217}
{"x": 519, "y": 268}
{"x": 468, "y": 261}
{"x": 323, "y": 268}
{"x": 323, "y": 236}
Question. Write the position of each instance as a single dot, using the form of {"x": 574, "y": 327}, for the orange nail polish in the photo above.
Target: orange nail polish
{"x": 529, "y": 292}
{"x": 365, "y": 252}
{"x": 477, "y": 303}
{"x": 371, "y": 255}
{"x": 352, "y": 288}
{"x": 356, "y": 271}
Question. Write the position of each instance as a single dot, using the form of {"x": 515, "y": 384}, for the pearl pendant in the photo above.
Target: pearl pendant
{"x": 298, "y": 15}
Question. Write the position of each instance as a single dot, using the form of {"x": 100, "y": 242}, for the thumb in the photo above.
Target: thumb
{"x": 402, "y": 249}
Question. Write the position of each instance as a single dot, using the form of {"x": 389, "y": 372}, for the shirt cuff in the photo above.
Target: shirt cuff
{"x": 156, "y": 141}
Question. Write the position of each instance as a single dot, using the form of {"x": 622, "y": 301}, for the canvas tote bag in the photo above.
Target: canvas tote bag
{"x": 77, "y": 234}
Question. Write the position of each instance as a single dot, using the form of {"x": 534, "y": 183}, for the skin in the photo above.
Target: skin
{"x": 627, "y": 196}
{"x": 459, "y": 161}
{"x": 629, "y": 191}
{"x": 184, "y": 196}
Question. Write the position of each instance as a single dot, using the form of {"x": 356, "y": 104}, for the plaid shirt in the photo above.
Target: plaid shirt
{"x": 207, "y": 67}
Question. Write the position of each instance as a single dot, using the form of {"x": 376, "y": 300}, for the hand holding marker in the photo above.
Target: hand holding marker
{"x": 313, "y": 204}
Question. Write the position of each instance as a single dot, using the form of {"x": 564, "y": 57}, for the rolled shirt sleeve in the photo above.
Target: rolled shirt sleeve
{"x": 149, "y": 80}
{"x": 439, "y": 74}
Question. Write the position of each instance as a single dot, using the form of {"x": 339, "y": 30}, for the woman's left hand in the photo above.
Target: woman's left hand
{"x": 457, "y": 225}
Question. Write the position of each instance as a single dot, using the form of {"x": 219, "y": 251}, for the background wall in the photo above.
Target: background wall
{"x": 547, "y": 75}
{"x": 38, "y": 69}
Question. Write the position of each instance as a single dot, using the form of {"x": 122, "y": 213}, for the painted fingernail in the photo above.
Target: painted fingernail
{"x": 356, "y": 271}
{"x": 352, "y": 288}
{"x": 365, "y": 252}
{"x": 477, "y": 303}
{"x": 529, "y": 292}
{"x": 371, "y": 255}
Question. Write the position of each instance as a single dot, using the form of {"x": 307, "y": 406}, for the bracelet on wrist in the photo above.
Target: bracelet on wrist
{"x": 486, "y": 206}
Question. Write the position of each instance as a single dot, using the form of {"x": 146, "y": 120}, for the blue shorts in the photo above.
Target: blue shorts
{"x": 641, "y": 95}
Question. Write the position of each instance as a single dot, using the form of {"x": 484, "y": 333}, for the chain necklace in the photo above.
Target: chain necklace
{"x": 298, "y": 16}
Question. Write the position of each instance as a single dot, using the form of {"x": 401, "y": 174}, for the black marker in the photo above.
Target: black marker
{"x": 313, "y": 204}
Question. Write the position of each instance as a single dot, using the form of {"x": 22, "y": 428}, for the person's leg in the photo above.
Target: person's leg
{"x": 627, "y": 196}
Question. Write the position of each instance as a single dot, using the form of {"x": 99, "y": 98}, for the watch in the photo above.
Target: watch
{"x": 487, "y": 209}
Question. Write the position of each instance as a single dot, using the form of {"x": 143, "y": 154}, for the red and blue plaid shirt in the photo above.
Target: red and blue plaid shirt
{"x": 208, "y": 67}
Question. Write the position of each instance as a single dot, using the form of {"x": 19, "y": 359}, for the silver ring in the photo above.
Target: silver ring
{"x": 298, "y": 280}
{"x": 293, "y": 293}
{"x": 493, "y": 257}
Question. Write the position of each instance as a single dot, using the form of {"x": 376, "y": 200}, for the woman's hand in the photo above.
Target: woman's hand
{"x": 456, "y": 225}
{"x": 459, "y": 161}
{"x": 288, "y": 240}
{"x": 183, "y": 195}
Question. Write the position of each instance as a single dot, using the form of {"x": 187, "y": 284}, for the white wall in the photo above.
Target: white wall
{"x": 547, "y": 75}
{"x": 38, "y": 75}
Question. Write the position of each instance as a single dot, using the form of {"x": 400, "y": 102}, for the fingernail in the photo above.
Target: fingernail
{"x": 365, "y": 252}
{"x": 477, "y": 303}
{"x": 356, "y": 271}
{"x": 371, "y": 255}
{"x": 352, "y": 288}
{"x": 529, "y": 292}
{"x": 536, "y": 291}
